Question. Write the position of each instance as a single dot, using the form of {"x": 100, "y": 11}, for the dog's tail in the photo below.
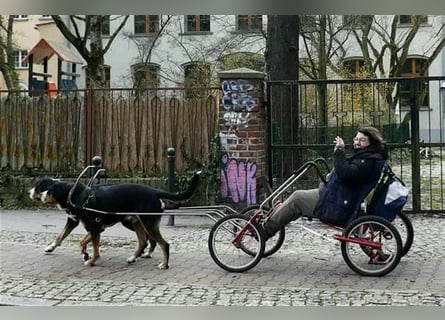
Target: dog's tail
{"x": 186, "y": 194}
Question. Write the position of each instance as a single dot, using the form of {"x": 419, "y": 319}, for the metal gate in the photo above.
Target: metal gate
{"x": 305, "y": 116}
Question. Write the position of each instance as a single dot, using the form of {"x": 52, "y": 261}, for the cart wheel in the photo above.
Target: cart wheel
{"x": 406, "y": 230}
{"x": 274, "y": 243}
{"x": 230, "y": 238}
{"x": 362, "y": 257}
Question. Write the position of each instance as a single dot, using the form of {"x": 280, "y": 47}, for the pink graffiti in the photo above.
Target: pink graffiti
{"x": 238, "y": 180}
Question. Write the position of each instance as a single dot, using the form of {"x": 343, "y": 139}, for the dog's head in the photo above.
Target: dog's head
{"x": 41, "y": 186}
{"x": 58, "y": 193}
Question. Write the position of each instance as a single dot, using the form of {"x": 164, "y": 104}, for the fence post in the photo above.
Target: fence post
{"x": 97, "y": 163}
{"x": 89, "y": 119}
{"x": 415, "y": 145}
{"x": 171, "y": 179}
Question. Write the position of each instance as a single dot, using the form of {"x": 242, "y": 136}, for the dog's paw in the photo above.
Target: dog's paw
{"x": 163, "y": 266}
{"x": 132, "y": 259}
{"x": 90, "y": 262}
{"x": 85, "y": 256}
{"x": 146, "y": 255}
{"x": 51, "y": 247}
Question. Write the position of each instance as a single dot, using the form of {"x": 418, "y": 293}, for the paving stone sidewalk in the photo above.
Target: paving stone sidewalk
{"x": 307, "y": 270}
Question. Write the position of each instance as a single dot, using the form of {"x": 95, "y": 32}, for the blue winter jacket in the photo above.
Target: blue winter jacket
{"x": 351, "y": 180}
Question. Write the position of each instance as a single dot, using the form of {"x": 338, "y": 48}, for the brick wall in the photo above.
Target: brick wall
{"x": 242, "y": 130}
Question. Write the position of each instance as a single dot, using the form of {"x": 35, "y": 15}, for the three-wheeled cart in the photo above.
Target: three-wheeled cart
{"x": 236, "y": 241}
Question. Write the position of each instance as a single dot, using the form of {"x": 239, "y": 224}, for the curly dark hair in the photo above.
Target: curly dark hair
{"x": 375, "y": 140}
{"x": 373, "y": 134}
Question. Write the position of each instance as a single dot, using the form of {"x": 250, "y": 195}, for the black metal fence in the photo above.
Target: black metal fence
{"x": 305, "y": 116}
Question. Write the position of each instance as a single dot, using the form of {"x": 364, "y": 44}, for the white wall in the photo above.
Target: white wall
{"x": 175, "y": 48}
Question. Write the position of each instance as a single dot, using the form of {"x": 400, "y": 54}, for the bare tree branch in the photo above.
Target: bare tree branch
{"x": 92, "y": 37}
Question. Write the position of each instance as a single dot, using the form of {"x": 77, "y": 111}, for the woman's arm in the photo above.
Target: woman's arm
{"x": 352, "y": 171}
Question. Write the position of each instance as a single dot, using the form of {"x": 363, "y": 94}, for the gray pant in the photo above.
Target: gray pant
{"x": 301, "y": 202}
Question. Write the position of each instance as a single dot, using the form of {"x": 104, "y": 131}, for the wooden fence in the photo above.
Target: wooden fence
{"x": 40, "y": 134}
{"x": 131, "y": 133}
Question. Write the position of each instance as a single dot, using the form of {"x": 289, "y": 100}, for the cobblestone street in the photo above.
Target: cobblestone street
{"x": 307, "y": 270}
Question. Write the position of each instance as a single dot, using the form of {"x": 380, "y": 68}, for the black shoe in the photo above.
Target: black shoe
{"x": 261, "y": 230}
{"x": 266, "y": 235}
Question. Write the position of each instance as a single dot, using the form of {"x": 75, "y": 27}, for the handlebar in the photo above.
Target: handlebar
{"x": 314, "y": 164}
{"x": 98, "y": 171}
{"x": 295, "y": 176}
{"x": 323, "y": 162}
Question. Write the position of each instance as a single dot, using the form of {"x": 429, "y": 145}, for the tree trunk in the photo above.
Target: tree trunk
{"x": 96, "y": 72}
{"x": 282, "y": 64}
{"x": 7, "y": 56}
{"x": 282, "y": 47}
{"x": 321, "y": 87}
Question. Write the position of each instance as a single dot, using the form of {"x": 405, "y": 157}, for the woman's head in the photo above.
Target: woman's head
{"x": 372, "y": 134}
{"x": 368, "y": 136}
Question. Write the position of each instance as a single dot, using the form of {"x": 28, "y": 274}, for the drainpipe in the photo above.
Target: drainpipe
{"x": 443, "y": 51}
{"x": 442, "y": 87}
{"x": 442, "y": 100}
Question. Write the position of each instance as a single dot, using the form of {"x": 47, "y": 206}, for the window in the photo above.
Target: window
{"x": 146, "y": 24}
{"x": 20, "y": 16}
{"x": 106, "y": 25}
{"x": 410, "y": 20}
{"x": 249, "y": 23}
{"x": 354, "y": 67}
{"x": 197, "y": 23}
{"x": 412, "y": 68}
{"x": 18, "y": 57}
{"x": 196, "y": 76}
{"x": 145, "y": 75}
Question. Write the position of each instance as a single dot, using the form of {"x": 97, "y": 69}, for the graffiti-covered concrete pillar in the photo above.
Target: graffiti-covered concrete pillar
{"x": 242, "y": 130}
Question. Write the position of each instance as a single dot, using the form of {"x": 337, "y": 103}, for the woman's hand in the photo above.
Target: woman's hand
{"x": 339, "y": 143}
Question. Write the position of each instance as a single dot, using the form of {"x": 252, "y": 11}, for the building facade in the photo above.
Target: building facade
{"x": 190, "y": 50}
{"x": 168, "y": 48}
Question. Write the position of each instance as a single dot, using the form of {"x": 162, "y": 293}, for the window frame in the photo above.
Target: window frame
{"x": 20, "y": 16}
{"x": 18, "y": 59}
{"x": 412, "y": 20}
{"x": 147, "y": 25}
{"x": 405, "y": 94}
{"x": 197, "y": 19}
{"x": 251, "y": 23}
{"x": 191, "y": 89}
{"x": 152, "y": 72}
{"x": 358, "y": 64}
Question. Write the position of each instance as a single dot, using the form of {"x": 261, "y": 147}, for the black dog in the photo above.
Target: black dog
{"x": 94, "y": 207}
{"x": 73, "y": 220}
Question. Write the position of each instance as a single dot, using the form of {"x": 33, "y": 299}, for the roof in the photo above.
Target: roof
{"x": 47, "y": 48}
